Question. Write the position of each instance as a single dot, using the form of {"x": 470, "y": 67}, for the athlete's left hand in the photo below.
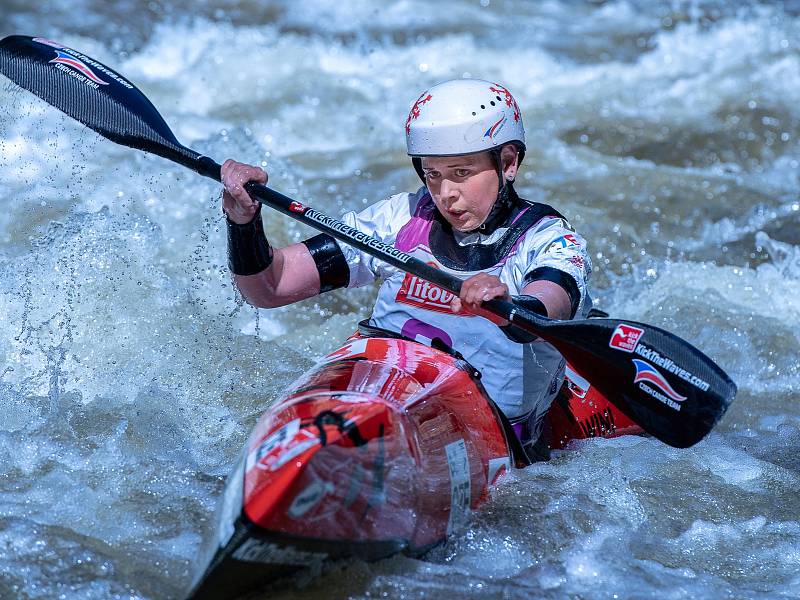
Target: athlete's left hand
{"x": 477, "y": 289}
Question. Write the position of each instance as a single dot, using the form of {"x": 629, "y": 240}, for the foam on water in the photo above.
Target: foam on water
{"x": 130, "y": 372}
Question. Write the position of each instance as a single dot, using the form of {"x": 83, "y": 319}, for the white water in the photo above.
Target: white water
{"x": 130, "y": 374}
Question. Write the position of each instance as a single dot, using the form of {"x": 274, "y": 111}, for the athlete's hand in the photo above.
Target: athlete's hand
{"x": 236, "y": 202}
{"x": 476, "y": 290}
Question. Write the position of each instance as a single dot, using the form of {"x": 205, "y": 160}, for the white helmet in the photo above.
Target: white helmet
{"x": 463, "y": 116}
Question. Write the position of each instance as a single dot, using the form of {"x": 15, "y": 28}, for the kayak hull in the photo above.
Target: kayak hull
{"x": 384, "y": 446}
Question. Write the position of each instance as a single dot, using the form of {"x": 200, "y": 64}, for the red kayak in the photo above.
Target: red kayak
{"x": 384, "y": 446}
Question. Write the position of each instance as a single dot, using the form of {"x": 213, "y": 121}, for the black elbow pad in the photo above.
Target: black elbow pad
{"x": 331, "y": 264}
{"x": 565, "y": 280}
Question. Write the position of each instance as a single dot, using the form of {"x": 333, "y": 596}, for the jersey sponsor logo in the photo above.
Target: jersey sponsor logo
{"x": 70, "y": 61}
{"x": 418, "y": 292}
{"x": 647, "y": 375}
{"x": 562, "y": 243}
{"x": 577, "y": 260}
{"x": 625, "y": 337}
{"x": 425, "y": 333}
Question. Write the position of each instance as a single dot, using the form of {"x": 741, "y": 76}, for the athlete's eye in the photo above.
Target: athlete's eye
{"x": 462, "y": 172}
{"x": 431, "y": 175}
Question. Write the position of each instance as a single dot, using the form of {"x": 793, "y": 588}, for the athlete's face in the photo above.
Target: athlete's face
{"x": 463, "y": 188}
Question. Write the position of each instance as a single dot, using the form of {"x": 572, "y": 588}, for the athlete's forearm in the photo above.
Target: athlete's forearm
{"x": 292, "y": 276}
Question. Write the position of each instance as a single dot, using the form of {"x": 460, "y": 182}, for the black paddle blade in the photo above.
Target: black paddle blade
{"x": 91, "y": 93}
{"x": 666, "y": 385}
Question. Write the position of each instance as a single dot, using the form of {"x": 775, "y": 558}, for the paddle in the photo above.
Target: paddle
{"x": 670, "y": 388}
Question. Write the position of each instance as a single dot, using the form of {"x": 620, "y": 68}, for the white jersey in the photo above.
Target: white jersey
{"x": 521, "y": 378}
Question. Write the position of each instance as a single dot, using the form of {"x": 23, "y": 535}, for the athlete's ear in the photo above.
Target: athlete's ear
{"x": 509, "y": 159}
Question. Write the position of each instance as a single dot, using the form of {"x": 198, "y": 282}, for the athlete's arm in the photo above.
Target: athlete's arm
{"x": 555, "y": 298}
{"x": 269, "y": 277}
{"x": 292, "y": 276}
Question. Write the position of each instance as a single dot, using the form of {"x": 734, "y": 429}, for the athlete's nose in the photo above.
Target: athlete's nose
{"x": 448, "y": 192}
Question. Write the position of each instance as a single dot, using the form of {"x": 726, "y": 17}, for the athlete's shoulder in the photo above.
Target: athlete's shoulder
{"x": 548, "y": 229}
{"x": 543, "y": 219}
{"x": 396, "y": 208}
{"x": 411, "y": 203}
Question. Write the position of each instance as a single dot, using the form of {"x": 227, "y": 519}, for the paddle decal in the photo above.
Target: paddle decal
{"x": 80, "y": 66}
{"x": 63, "y": 58}
{"x": 625, "y": 337}
{"x": 647, "y": 373}
{"x": 354, "y": 235}
{"x": 51, "y": 43}
{"x": 669, "y": 365}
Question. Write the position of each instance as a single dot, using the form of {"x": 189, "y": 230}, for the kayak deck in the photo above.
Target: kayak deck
{"x": 384, "y": 446}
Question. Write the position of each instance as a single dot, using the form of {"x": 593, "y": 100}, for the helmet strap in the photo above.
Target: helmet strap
{"x": 505, "y": 201}
{"x": 417, "y": 162}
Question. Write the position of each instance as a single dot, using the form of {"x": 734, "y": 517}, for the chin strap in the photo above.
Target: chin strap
{"x": 505, "y": 202}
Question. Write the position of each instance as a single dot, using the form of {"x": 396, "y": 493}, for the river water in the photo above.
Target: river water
{"x": 131, "y": 373}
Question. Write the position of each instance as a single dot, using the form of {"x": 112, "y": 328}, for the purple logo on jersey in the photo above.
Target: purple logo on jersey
{"x": 649, "y": 374}
{"x": 65, "y": 59}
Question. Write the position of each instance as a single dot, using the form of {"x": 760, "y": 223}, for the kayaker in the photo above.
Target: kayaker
{"x": 466, "y": 142}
